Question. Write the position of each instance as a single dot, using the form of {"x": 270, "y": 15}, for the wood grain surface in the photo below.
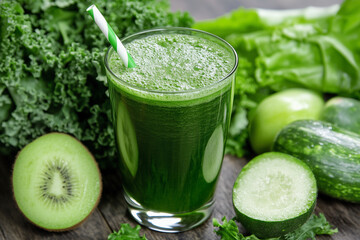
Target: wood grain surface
{"x": 111, "y": 211}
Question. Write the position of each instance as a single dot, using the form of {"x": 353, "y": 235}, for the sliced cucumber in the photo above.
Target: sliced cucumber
{"x": 274, "y": 194}
{"x": 126, "y": 137}
{"x": 214, "y": 153}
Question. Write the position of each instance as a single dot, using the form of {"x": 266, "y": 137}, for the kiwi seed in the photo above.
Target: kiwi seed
{"x": 59, "y": 171}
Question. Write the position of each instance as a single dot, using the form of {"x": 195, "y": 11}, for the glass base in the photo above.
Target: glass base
{"x": 168, "y": 222}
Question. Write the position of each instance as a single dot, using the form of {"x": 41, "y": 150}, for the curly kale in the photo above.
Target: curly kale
{"x": 51, "y": 67}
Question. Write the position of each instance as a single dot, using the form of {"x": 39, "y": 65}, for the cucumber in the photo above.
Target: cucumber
{"x": 126, "y": 138}
{"x": 332, "y": 153}
{"x": 274, "y": 194}
{"x": 213, "y": 155}
{"x": 343, "y": 112}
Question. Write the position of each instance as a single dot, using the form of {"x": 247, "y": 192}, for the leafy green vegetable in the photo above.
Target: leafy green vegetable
{"x": 316, "y": 225}
{"x": 229, "y": 230}
{"x": 51, "y": 67}
{"x": 126, "y": 232}
{"x": 314, "y": 48}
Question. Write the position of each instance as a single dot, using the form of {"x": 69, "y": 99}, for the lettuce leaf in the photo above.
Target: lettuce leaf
{"x": 315, "y": 48}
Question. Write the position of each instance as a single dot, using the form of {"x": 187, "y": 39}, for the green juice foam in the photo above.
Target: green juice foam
{"x": 175, "y": 63}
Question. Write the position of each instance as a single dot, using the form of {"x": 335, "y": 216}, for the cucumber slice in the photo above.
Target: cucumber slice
{"x": 126, "y": 137}
{"x": 214, "y": 153}
{"x": 274, "y": 194}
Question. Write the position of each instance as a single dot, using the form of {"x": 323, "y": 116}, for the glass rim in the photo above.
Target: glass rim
{"x": 168, "y": 29}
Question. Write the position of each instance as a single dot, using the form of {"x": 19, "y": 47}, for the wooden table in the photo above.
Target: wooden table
{"x": 111, "y": 211}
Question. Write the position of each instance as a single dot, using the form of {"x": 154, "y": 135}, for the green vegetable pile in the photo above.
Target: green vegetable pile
{"x": 315, "y": 48}
{"x": 51, "y": 71}
{"x": 52, "y": 76}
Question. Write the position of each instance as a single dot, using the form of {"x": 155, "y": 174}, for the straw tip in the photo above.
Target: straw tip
{"x": 91, "y": 7}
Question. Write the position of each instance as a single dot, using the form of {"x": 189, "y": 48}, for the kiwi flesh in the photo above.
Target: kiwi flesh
{"x": 56, "y": 182}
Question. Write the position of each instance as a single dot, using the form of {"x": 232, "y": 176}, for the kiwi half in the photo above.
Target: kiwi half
{"x": 56, "y": 182}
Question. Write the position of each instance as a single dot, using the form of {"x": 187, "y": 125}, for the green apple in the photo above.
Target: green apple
{"x": 278, "y": 110}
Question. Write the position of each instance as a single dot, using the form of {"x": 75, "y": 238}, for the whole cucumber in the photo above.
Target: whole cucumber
{"x": 332, "y": 153}
{"x": 343, "y": 112}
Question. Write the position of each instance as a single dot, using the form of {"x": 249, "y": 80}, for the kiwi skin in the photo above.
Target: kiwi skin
{"x": 95, "y": 205}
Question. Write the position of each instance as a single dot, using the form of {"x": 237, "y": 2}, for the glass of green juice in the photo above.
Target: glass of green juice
{"x": 171, "y": 115}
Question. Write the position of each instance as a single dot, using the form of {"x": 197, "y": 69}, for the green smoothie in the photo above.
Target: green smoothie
{"x": 171, "y": 115}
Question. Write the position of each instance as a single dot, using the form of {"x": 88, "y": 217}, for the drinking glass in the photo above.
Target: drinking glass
{"x": 171, "y": 143}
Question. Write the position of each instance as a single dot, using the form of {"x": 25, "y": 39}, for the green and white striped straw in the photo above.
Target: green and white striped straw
{"x": 111, "y": 36}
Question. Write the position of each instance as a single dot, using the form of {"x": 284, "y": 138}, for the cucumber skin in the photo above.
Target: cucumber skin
{"x": 272, "y": 229}
{"x": 332, "y": 153}
{"x": 343, "y": 112}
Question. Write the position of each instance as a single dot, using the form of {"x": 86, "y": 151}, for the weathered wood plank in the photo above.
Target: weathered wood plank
{"x": 345, "y": 216}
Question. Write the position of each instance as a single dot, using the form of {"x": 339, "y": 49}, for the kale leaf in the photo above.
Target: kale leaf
{"x": 51, "y": 67}
{"x": 126, "y": 232}
{"x": 315, "y": 225}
